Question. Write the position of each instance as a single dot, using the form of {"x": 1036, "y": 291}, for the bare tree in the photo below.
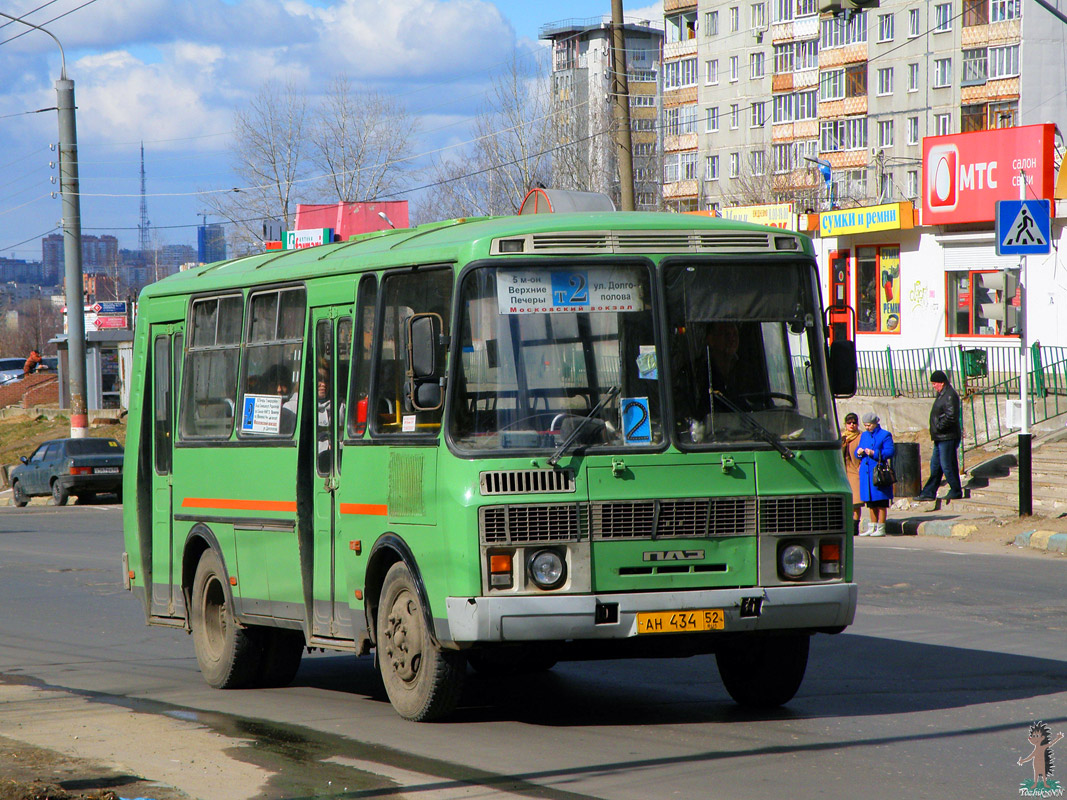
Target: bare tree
{"x": 511, "y": 153}
{"x": 270, "y": 155}
{"x": 38, "y": 323}
{"x": 361, "y": 142}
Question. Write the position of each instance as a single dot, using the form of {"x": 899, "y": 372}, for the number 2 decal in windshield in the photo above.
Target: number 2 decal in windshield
{"x": 636, "y": 428}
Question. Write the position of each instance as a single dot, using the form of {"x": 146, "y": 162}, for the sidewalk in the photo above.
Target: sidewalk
{"x": 1035, "y": 533}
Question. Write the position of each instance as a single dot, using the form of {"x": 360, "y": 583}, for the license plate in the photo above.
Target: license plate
{"x": 107, "y": 470}
{"x": 704, "y": 619}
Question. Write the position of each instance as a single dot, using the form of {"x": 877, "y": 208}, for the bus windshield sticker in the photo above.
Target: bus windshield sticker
{"x": 647, "y": 367}
{"x": 636, "y": 424}
{"x": 532, "y": 291}
{"x": 408, "y": 425}
{"x": 262, "y": 413}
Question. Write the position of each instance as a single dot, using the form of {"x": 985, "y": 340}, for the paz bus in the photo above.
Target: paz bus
{"x": 494, "y": 443}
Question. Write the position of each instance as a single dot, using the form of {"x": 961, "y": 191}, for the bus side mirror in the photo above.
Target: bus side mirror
{"x": 424, "y": 371}
{"x": 842, "y": 364}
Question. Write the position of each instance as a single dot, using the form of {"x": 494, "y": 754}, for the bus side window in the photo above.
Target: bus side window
{"x": 366, "y": 299}
{"x": 209, "y": 380}
{"x": 273, "y": 348}
{"x": 405, "y": 294}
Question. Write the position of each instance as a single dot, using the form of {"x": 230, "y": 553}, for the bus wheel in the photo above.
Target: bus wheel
{"x": 518, "y": 660}
{"x": 764, "y": 672}
{"x": 282, "y": 651}
{"x": 228, "y": 654}
{"x": 423, "y": 681}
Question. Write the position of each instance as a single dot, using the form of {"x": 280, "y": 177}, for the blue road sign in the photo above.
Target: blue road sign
{"x": 1024, "y": 227}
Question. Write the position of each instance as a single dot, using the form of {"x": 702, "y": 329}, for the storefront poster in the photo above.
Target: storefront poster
{"x": 889, "y": 288}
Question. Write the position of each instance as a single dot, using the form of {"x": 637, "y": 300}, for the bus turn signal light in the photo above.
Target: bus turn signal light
{"x": 500, "y": 570}
{"x": 829, "y": 558}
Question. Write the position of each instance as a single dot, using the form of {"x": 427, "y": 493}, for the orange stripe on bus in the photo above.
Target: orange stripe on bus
{"x": 372, "y": 509}
{"x": 239, "y": 505}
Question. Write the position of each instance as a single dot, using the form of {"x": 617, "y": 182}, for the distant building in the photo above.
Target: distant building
{"x": 99, "y": 254}
{"x": 19, "y": 271}
{"x": 210, "y": 243}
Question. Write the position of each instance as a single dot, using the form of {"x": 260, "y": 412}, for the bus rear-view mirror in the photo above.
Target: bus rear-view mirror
{"x": 842, "y": 364}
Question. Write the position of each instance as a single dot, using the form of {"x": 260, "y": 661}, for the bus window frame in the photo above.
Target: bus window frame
{"x": 348, "y": 431}
{"x": 648, "y": 263}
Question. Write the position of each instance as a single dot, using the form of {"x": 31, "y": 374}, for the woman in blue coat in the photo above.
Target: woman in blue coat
{"x": 875, "y": 444}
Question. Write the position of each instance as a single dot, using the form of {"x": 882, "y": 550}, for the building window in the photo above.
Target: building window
{"x": 807, "y": 8}
{"x": 711, "y": 123}
{"x": 885, "y": 80}
{"x": 974, "y": 66}
{"x": 849, "y": 184}
{"x": 782, "y": 10}
{"x": 670, "y": 168}
{"x": 942, "y": 124}
{"x": 711, "y": 168}
{"x": 687, "y": 166}
{"x": 644, "y": 148}
{"x": 711, "y": 71}
{"x": 781, "y": 158}
{"x": 913, "y": 77}
{"x": 981, "y": 304}
{"x": 681, "y": 27}
{"x": 856, "y": 81}
{"x": 735, "y": 164}
{"x": 942, "y": 72}
{"x": 843, "y": 134}
{"x": 807, "y": 55}
{"x": 735, "y": 19}
{"x": 733, "y": 69}
{"x": 759, "y": 162}
{"x": 1003, "y": 115}
{"x": 758, "y": 17}
{"x": 783, "y": 108}
{"x": 972, "y": 118}
{"x": 975, "y": 12}
{"x": 642, "y": 124}
{"x": 913, "y": 130}
{"x": 681, "y": 73}
{"x": 1004, "y": 61}
{"x": 885, "y": 187}
{"x": 1003, "y": 10}
{"x": 885, "y": 133}
{"x": 759, "y": 114}
{"x": 711, "y": 23}
{"x": 839, "y": 32}
{"x": 885, "y": 28}
{"x": 913, "y": 183}
{"x": 783, "y": 58}
{"x": 807, "y": 105}
{"x": 735, "y": 116}
{"x": 914, "y": 23}
{"x": 755, "y": 66}
{"x": 642, "y": 101}
{"x": 832, "y": 85}
{"x": 878, "y": 289}
{"x": 942, "y": 17}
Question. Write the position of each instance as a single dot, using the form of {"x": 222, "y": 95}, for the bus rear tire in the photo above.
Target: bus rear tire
{"x": 765, "y": 671}
{"x": 282, "y": 651}
{"x": 228, "y": 655}
{"x": 422, "y": 680}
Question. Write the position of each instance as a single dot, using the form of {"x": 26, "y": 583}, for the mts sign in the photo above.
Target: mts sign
{"x": 966, "y": 174}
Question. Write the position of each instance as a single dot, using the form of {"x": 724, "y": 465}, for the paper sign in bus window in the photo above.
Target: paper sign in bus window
{"x": 647, "y": 366}
{"x": 262, "y": 413}
{"x": 636, "y": 424}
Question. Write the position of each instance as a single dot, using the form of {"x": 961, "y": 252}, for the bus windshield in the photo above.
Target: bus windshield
{"x": 551, "y": 353}
{"x": 745, "y": 349}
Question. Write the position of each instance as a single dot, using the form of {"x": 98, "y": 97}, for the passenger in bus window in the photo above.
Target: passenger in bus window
{"x": 324, "y": 419}
{"x": 279, "y": 381}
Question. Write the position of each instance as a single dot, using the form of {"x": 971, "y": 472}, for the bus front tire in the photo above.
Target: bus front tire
{"x": 764, "y": 672}
{"x": 228, "y": 654}
{"x": 423, "y": 681}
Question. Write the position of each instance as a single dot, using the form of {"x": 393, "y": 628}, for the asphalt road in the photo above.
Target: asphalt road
{"x": 956, "y": 649}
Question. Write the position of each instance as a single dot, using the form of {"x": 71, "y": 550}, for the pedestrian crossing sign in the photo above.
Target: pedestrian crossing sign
{"x": 1024, "y": 227}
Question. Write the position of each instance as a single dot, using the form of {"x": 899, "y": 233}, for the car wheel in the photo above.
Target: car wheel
{"x": 18, "y": 495}
{"x": 59, "y": 493}
{"x": 422, "y": 679}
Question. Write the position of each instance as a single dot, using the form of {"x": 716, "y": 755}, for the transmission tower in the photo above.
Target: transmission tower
{"x": 145, "y": 225}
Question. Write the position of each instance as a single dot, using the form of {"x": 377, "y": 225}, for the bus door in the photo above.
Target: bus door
{"x": 166, "y": 344}
{"x": 331, "y": 357}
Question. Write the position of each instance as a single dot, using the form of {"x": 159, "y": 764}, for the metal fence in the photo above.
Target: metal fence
{"x": 986, "y": 377}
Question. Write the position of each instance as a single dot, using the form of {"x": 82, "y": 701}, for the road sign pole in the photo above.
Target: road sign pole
{"x": 1026, "y": 494}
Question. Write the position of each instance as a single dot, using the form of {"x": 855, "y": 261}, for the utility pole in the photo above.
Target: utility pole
{"x": 1026, "y": 485}
{"x": 72, "y": 241}
{"x": 620, "y": 91}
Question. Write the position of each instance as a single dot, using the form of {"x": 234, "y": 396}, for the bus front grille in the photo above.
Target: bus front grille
{"x": 817, "y": 513}
{"x": 551, "y": 522}
{"x": 527, "y": 481}
{"x": 693, "y": 517}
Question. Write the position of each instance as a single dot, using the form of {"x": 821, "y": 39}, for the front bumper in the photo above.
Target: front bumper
{"x": 573, "y": 617}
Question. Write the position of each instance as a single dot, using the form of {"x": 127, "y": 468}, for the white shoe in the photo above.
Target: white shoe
{"x": 878, "y": 531}
{"x": 866, "y": 532}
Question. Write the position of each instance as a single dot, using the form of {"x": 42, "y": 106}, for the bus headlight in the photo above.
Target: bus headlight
{"x": 794, "y": 560}
{"x": 547, "y": 569}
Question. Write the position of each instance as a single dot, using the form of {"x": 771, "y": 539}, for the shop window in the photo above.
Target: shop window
{"x": 982, "y": 304}
{"x": 878, "y": 289}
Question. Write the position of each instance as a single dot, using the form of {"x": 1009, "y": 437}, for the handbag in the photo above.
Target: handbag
{"x": 884, "y": 476}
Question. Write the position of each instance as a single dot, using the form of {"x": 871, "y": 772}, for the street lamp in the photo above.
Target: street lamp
{"x": 72, "y": 241}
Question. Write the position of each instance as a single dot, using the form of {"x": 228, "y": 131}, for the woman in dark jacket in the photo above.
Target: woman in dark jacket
{"x": 875, "y": 444}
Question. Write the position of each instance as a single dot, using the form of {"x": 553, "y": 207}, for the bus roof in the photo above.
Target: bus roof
{"x": 462, "y": 240}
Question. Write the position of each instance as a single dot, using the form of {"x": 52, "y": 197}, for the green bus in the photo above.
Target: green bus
{"x": 494, "y": 443}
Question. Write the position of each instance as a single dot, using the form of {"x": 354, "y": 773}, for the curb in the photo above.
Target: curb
{"x": 1043, "y": 540}
{"x": 963, "y": 527}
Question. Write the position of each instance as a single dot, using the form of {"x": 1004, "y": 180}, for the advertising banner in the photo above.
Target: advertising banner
{"x": 964, "y": 175}
{"x": 778, "y": 215}
{"x": 889, "y": 289}
{"x": 870, "y": 219}
{"x": 298, "y": 240}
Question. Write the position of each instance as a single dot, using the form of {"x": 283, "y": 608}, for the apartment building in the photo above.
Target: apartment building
{"x": 755, "y": 93}
{"x": 582, "y": 110}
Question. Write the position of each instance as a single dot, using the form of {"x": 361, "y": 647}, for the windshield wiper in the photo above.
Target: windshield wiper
{"x": 746, "y": 417}
{"x": 556, "y": 456}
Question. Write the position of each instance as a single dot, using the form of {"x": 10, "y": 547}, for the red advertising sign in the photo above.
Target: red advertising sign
{"x": 964, "y": 175}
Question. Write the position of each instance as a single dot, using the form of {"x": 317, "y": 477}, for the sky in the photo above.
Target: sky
{"x": 171, "y": 74}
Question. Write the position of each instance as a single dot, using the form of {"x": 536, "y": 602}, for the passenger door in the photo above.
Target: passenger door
{"x": 332, "y": 356}
{"x": 166, "y": 344}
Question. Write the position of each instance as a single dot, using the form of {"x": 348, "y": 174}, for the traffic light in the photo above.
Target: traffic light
{"x": 838, "y": 7}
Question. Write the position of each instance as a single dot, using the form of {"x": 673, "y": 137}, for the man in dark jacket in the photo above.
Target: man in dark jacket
{"x": 946, "y": 434}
